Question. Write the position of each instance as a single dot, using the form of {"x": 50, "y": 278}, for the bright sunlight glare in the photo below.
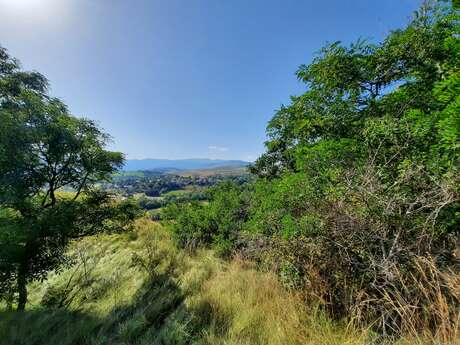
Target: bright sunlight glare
{"x": 31, "y": 8}
{"x": 25, "y": 14}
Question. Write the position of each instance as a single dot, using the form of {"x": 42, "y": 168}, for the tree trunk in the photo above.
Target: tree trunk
{"x": 22, "y": 287}
{"x": 9, "y": 301}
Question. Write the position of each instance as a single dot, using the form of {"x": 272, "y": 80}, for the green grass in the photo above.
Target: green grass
{"x": 129, "y": 174}
{"x": 179, "y": 192}
{"x": 138, "y": 288}
{"x": 223, "y": 171}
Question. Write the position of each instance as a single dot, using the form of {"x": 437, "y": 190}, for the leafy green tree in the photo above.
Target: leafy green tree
{"x": 361, "y": 173}
{"x": 348, "y": 86}
{"x": 43, "y": 152}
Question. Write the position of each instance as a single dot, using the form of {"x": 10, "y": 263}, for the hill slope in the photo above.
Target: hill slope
{"x": 180, "y": 164}
{"x": 137, "y": 288}
{"x": 223, "y": 171}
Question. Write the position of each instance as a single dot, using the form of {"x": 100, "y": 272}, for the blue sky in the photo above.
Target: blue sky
{"x": 184, "y": 78}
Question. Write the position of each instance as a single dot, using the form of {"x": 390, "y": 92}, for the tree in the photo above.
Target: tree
{"x": 349, "y": 86}
{"x": 43, "y": 152}
{"x": 361, "y": 172}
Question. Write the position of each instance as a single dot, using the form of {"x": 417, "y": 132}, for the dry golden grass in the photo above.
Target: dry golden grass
{"x": 437, "y": 310}
{"x": 250, "y": 307}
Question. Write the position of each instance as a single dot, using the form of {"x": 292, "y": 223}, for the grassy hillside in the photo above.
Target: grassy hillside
{"x": 137, "y": 288}
{"x": 223, "y": 171}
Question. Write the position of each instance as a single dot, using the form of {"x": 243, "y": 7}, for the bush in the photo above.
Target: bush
{"x": 214, "y": 224}
{"x": 150, "y": 204}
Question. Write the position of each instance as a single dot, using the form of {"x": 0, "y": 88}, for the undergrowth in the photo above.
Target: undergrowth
{"x": 138, "y": 288}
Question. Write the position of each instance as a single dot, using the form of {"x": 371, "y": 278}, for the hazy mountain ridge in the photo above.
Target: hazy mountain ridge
{"x": 180, "y": 164}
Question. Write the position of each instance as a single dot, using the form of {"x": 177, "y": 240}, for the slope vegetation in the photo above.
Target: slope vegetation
{"x": 137, "y": 288}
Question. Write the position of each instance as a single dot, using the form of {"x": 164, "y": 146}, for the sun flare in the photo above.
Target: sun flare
{"x": 33, "y": 12}
{"x": 28, "y": 6}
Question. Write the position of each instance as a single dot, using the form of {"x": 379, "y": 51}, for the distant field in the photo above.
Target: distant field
{"x": 225, "y": 171}
{"x": 178, "y": 192}
{"x": 128, "y": 174}
{"x": 122, "y": 175}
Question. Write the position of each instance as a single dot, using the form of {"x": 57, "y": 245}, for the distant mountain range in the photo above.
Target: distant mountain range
{"x": 180, "y": 164}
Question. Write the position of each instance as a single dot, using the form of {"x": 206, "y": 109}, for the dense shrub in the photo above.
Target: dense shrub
{"x": 150, "y": 204}
{"x": 214, "y": 223}
{"x": 361, "y": 178}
